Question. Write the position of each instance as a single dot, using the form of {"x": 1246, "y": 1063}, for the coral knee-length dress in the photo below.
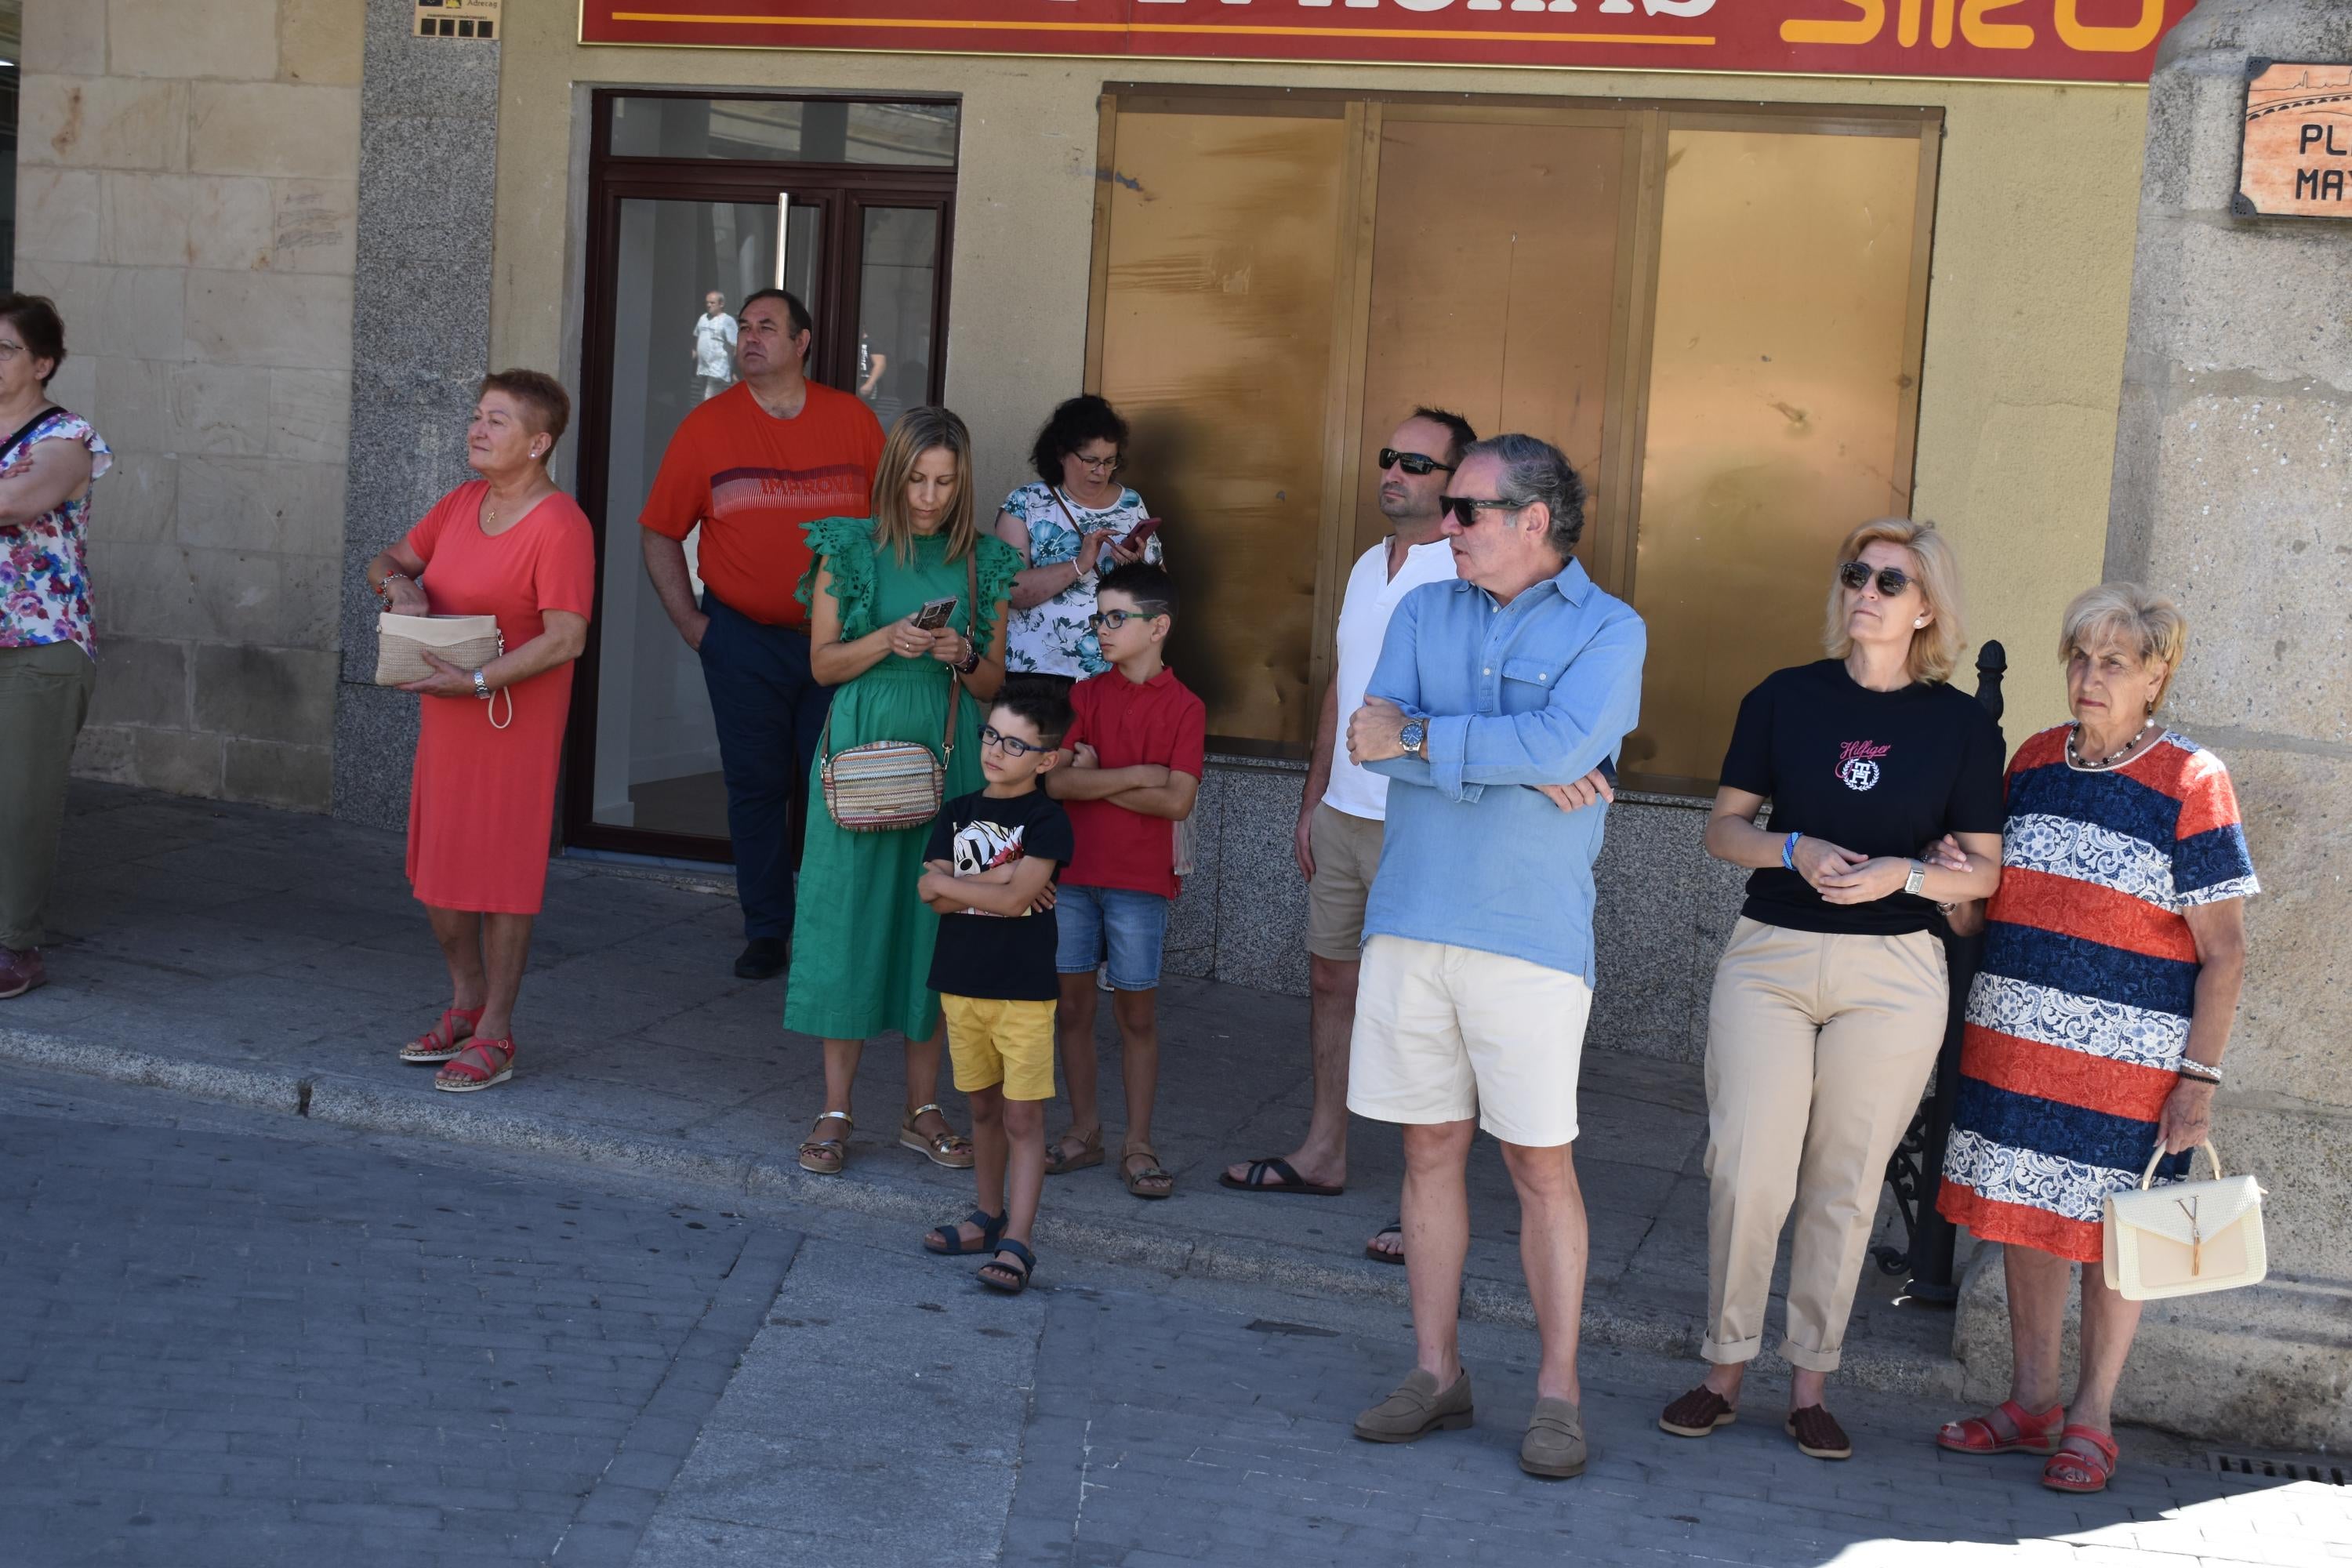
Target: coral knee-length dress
{"x": 482, "y": 799}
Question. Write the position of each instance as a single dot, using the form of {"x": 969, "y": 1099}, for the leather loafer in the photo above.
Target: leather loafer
{"x": 762, "y": 959}
{"x": 20, "y": 970}
{"x": 1554, "y": 1445}
{"x": 1416, "y": 1409}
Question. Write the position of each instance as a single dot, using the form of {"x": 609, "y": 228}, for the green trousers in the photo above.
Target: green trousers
{"x": 43, "y": 697}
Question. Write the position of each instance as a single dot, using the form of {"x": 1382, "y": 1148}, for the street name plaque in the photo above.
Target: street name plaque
{"x": 2297, "y": 157}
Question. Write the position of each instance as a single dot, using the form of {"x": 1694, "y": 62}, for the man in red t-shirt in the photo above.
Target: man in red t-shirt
{"x": 750, "y": 468}
{"x": 1131, "y": 773}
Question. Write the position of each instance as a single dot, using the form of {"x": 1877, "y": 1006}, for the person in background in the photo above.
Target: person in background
{"x": 49, "y": 649}
{"x": 481, "y": 800}
{"x": 750, "y": 468}
{"x": 1077, "y": 521}
{"x": 1830, "y": 998}
{"x": 714, "y": 348}
{"x": 862, "y": 964}
{"x": 2113, "y": 962}
{"x": 1131, "y": 772}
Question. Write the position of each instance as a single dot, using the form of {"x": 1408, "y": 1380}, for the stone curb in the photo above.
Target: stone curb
{"x": 345, "y": 1101}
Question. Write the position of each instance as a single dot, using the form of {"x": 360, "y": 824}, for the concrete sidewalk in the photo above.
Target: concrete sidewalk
{"x": 276, "y": 960}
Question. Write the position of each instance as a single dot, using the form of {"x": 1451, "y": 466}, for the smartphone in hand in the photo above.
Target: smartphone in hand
{"x": 1141, "y": 532}
{"x": 934, "y": 613}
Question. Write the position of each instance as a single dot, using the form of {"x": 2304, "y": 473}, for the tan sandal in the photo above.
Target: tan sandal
{"x": 1090, "y": 1152}
{"x": 443, "y": 1041}
{"x": 826, "y": 1156}
{"x": 949, "y": 1148}
{"x": 1127, "y": 1155}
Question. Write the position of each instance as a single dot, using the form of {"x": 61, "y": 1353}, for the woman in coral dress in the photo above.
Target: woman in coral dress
{"x": 482, "y": 799}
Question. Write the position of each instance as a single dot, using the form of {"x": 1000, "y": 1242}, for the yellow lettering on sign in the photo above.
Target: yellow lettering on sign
{"x": 2109, "y": 40}
{"x": 1906, "y": 24}
{"x": 1986, "y": 35}
{"x": 1859, "y": 29}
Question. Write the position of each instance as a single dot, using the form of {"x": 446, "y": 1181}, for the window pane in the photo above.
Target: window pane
{"x": 805, "y": 130}
{"x": 1777, "y": 382}
{"x": 897, "y": 269}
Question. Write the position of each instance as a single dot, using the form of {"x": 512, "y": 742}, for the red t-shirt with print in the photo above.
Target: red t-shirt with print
{"x": 1129, "y": 723}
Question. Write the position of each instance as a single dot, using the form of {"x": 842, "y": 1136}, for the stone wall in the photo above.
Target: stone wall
{"x": 186, "y": 194}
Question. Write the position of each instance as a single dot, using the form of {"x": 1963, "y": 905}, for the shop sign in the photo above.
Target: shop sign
{"x": 2297, "y": 157}
{"x": 458, "y": 18}
{"x": 2045, "y": 40}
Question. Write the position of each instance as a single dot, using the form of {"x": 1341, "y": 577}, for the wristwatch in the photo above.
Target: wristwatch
{"x": 1413, "y": 737}
{"x": 1916, "y": 880}
{"x": 481, "y": 687}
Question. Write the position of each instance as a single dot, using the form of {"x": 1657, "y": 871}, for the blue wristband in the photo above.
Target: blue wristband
{"x": 1788, "y": 851}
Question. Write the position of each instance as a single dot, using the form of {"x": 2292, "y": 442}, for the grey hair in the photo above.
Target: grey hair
{"x": 1536, "y": 470}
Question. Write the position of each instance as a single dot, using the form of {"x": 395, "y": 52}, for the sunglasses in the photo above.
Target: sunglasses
{"x": 1111, "y": 620}
{"x": 1464, "y": 509}
{"x": 1011, "y": 745}
{"x": 1412, "y": 463}
{"x": 1892, "y": 580}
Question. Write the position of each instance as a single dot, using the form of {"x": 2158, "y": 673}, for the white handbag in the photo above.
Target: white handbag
{"x": 2185, "y": 1238}
{"x": 401, "y": 642}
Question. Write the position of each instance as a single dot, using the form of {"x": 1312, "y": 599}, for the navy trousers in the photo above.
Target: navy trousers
{"x": 769, "y": 712}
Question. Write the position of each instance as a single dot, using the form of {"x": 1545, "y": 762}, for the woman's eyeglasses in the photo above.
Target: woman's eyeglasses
{"x": 1110, "y": 465}
{"x": 1011, "y": 745}
{"x": 1464, "y": 509}
{"x": 1892, "y": 580}
{"x": 1111, "y": 620}
{"x": 1412, "y": 463}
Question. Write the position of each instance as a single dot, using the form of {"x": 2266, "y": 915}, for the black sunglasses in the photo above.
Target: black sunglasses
{"x": 1412, "y": 463}
{"x": 1464, "y": 509}
{"x": 1892, "y": 580}
{"x": 1013, "y": 745}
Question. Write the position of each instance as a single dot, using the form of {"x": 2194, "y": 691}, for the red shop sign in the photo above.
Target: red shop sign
{"x": 2031, "y": 40}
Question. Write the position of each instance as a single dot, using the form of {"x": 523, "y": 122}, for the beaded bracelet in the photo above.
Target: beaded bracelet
{"x": 2202, "y": 1072}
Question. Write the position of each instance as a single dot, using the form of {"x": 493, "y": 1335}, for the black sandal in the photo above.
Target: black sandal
{"x": 947, "y": 1240}
{"x": 1382, "y": 1255}
{"x": 1006, "y": 1277}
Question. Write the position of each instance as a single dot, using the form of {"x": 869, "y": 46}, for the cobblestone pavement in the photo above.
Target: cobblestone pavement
{"x": 245, "y": 1340}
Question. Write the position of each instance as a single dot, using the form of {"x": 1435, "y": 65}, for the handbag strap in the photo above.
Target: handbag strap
{"x": 10, "y": 449}
{"x": 2156, "y": 1159}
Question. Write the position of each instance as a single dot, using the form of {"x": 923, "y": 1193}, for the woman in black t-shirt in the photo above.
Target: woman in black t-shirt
{"x": 1830, "y": 1001}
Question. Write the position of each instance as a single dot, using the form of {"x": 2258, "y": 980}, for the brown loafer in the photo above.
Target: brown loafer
{"x": 1697, "y": 1414}
{"x": 1554, "y": 1445}
{"x": 1416, "y": 1409}
{"x": 1817, "y": 1434}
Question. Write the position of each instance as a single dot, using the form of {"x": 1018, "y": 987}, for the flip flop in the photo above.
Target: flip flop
{"x": 1290, "y": 1179}
{"x": 1396, "y": 1227}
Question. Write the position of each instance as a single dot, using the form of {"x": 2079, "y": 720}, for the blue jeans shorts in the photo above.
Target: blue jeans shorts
{"x": 1126, "y": 925}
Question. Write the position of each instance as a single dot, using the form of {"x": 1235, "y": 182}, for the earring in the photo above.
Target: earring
{"x": 1921, "y": 622}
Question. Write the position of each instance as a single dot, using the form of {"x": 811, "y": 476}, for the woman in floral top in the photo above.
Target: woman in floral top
{"x": 1072, "y": 525}
{"x": 47, "y": 668}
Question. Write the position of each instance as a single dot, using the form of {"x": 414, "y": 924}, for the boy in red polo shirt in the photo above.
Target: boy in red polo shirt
{"x": 1130, "y": 771}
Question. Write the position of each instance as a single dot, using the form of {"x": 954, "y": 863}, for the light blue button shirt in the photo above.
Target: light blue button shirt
{"x": 1535, "y": 691}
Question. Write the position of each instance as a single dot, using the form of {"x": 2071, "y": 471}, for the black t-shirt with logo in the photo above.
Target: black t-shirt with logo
{"x": 1878, "y": 772}
{"x": 998, "y": 957}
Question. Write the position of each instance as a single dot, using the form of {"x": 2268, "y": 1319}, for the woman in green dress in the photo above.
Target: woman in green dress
{"x": 863, "y": 949}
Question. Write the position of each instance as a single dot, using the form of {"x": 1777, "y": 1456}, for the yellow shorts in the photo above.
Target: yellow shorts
{"x": 1007, "y": 1043}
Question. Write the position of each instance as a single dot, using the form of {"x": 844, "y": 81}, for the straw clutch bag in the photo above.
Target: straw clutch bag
{"x": 401, "y": 642}
{"x": 2185, "y": 1238}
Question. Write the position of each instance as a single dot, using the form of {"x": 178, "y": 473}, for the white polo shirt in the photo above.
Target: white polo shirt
{"x": 1372, "y": 598}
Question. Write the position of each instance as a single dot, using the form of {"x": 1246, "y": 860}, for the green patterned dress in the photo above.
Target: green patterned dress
{"x": 862, "y": 945}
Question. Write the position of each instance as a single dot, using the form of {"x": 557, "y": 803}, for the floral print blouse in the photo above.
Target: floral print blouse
{"x": 44, "y": 573}
{"x": 1052, "y": 637}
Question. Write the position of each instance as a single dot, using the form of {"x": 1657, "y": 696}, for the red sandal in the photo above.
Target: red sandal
{"x": 2076, "y": 1470}
{"x": 432, "y": 1045}
{"x": 483, "y": 1064}
{"x": 1977, "y": 1435}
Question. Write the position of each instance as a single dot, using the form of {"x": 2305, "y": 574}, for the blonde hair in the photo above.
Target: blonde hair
{"x": 2140, "y": 619}
{"x": 918, "y": 431}
{"x": 1935, "y": 647}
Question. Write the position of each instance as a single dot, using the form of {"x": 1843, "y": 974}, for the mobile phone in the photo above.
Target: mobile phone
{"x": 1141, "y": 531}
{"x": 934, "y": 613}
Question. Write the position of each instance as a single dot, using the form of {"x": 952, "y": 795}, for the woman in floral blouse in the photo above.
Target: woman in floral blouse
{"x": 48, "y": 658}
{"x": 1072, "y": 525}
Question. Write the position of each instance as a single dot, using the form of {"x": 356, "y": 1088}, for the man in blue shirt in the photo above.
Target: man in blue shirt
{"x": 1477, "y": 967}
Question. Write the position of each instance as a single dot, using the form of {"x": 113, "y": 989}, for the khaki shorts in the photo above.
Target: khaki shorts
{"x": 1347, "y": 854}
{"x": 1447, "y": 1033}
{"x": 1007, "y": 1043}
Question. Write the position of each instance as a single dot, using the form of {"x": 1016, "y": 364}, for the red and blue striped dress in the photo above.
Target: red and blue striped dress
{"x": 2080, "y": 1010}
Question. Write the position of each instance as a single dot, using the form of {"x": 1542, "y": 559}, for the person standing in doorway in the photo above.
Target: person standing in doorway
{"x": 752, "y": 467}
{"x": 714, "y": 348}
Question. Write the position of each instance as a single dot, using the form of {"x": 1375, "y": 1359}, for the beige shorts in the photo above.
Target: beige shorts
{"x": 1347, "y": 854}
{"x": 1447, "y": 1033}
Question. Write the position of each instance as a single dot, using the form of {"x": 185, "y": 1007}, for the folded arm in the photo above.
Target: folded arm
{"x": 1010, "y": 894}
{"x": 52, "y": 473}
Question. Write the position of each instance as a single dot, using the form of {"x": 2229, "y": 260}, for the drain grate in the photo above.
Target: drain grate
{"x": 2261, "y": 1467}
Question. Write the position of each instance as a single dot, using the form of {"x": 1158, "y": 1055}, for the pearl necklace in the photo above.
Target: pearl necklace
{"x": 2075, "y": 753}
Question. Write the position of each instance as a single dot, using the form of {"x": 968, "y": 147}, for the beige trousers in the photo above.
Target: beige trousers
{"x": 1818, "y": 1047}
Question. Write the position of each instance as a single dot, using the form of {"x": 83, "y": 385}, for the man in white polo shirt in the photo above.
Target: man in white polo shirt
{"x": 1338, "y": 841}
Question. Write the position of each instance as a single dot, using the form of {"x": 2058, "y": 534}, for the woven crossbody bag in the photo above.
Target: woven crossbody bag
{"x": 882, "y": 785}
{"x": 2186, "y": 1238}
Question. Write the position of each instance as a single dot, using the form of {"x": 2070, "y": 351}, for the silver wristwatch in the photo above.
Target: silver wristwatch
{"x": 481, "y": 687}
{"x": 1413, "y": 737}
{"x": 1916, "y": 880}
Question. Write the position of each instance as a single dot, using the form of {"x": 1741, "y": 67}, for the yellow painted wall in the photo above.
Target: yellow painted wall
{"x": 2036, "y": 214}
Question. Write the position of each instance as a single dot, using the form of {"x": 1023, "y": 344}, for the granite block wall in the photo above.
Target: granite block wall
{"x": 187, "y": 195}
